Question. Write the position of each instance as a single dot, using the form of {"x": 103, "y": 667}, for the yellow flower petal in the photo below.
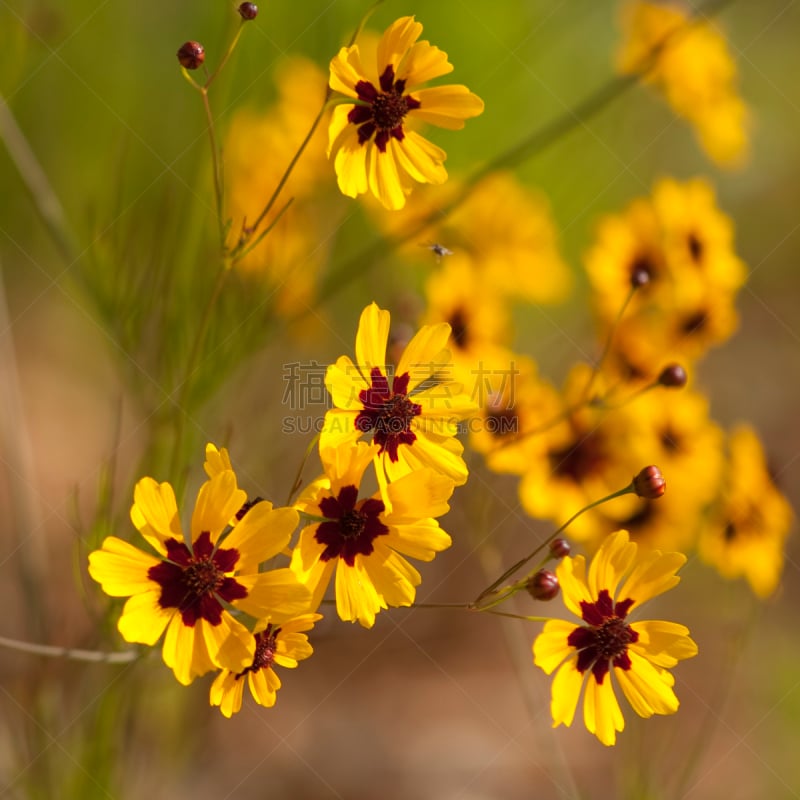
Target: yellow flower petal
{"x": 264, "y": 684}
{"x": 371, "y": 339}
{"x": 421, "y": 159}
{"x": 420, "y": 494}
{"x": 571, "y": 574}
{"x": 447, "y": 106}
{"x": 652, "y": 576}
{"x": 275, "y": 595}
{"x": 646, "y": 689}
{"x": 218, "y": 501}
{"x": 423, "y": 63}
{"x": 550, "y": 647}
{"x": 143, "y": 620}
{"x": 155, "y": 512}
{"x": 216, "y": 460}
{"x": 120, "y": 568}
{"x": 392, "y": 576}
{"x": 565, "y": 693}
{"x": 663, "y": 643}
{"x": 396, "y": 40}
{"x": 226, "y": 692}
{"x": 356, "y": 597}
{"x": 346, "y": 71}
{"x": 601, "y": 712}
{"x": 384, "y": 179}
{"x": 425, "y": 354}
{"x": 612, "y": 560}
{"x": 262, "y": 533}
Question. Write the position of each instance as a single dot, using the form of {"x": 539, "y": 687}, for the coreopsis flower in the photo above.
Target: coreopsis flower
{"x": 287, "y": 261}
{"x": 585, "y": 456}
{"x": 187, "y": 587}
{"x": 411, "y": 412}
{"x": 748, "y": 530}
{"x": 689, "y": 61}
{"x": 364, "y": 542}
{"x": 281, "y": 645}
{"x": 504, "y": 226}
{"x": 606, "y": 646}
{"x": 376, "y": 148}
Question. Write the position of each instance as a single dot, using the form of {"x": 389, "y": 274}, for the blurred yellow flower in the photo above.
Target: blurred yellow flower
{"x": 188, "y": 587}
{"x": 258, "y": 148}
{"x": 411, "y": 411}
{"x": 637, "y": 654}
{"x": 364, "y": 542}
{"x": 375, "y": 148}
{"x": 283, "y": 645}
{"x": 747, "y": 534}
{"x": 688, "y": 60}
{"x": 678, "y": 248}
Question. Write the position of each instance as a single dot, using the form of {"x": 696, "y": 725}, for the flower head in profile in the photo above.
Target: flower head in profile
{"x": 281, "y": 645}
{"x": 375, "y": 147}
{"x": 411, "y": 411}
{"x": 606, "y": 647}
{"x": 362, "y": 540}
{"x": 188, "y": 586}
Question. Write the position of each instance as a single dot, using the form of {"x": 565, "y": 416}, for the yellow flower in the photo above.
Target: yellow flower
{"x": 683, "y": 246}
{"x": 283, "y": 645}
{"x": 287, "y": 261}
{"x": 187, "y": 588}
{"x": 748, "y": 532}
{"x": 585, "y": 456}
{"x": 637, "y": 655}
{"x": 375, "y": 147}
{"x": 689, "y": 61}
{"x": 363, "y": 541}
{"x": 411, "y": 412}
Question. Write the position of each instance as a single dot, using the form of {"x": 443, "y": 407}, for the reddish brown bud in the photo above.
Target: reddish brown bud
{"x": 248, "y": 10}
{"x": 673, "y": 376}
{"x": 650, "y": 483}
{"x": 191, "y": 55}
{"x": 543, "y": 585}
{"x": 559, "y": 548}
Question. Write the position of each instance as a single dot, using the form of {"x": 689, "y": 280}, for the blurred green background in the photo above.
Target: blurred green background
{"x": 428, "y": 704}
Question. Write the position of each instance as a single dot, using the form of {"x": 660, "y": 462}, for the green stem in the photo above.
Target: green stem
{"x": 629, "y": 489}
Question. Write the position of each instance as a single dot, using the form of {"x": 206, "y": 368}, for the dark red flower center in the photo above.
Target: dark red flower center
{"x": 581, "y": 458}
{"x": 604, "y": 641}
{"x": 194, "y": 581}
{"x": 386, "y": 107}
{"x": 351, "y": 528}
{"x": 387, "y": 412}
{"x": 266, "y": 647}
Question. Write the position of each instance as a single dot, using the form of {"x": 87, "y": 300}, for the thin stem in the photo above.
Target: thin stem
{"x": 607, "y": 346}
{"x": 215, "y": 164}
{"x": 629, "y": 489}
{"x": 33, "y": 176}
{"x": 191, "y": 364}
{"x": 298, "y": 478}
{"x": 228, "y": 53}
{"x": 75, "y": 654}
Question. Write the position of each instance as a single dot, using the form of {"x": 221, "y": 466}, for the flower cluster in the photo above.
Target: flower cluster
{"x": 689, "y": 62}
{"x": 238, "y": 593}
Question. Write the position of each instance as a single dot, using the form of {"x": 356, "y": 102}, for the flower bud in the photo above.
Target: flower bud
{"x": 191, "y": 55}
{"x": 559, "y": 548}
{"x": 543, "y": 585}
{"x": 650, "y": 483}
{"x": 673, "y": 377}
{"x": 248, "y": 10}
